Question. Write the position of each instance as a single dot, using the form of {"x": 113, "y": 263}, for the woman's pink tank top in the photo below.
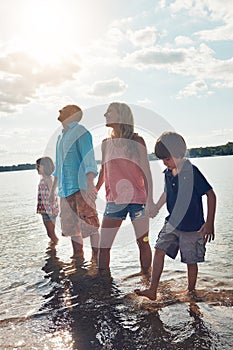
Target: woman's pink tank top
{"x": 124, "y": 180}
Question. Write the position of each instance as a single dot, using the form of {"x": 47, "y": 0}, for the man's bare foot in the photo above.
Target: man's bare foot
{"x": 148, "y": 293}
{"x": 94, "y": 257}
{"x": 78, "y": 256}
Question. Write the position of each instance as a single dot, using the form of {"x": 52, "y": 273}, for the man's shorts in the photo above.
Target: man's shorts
{"x": 191, "y": 244}
{"x": 120, "y": 211}
{"x": 78, "y": 218}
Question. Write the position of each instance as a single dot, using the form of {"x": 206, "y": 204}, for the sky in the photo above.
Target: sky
{"x": 171, "y": 58}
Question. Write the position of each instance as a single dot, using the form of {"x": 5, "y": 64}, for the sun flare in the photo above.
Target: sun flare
{"x": 47, "y": 30}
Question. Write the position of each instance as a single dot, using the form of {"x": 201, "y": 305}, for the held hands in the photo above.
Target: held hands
{"x": 208, "y": 231}
{"x": 90, "y": 194}
{"x": 51, "y": 197}
{"x": 151, "y": 209}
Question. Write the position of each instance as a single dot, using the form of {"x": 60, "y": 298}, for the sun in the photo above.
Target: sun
{"x": 48, "y": 28}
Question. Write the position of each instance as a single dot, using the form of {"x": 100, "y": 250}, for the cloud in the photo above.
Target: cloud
{"x": 220, "y": 33}
{"x": 182, "y": 40}
{"x": 21, "y": 76}
{"x": 216, "y": 11}
{"x": 198, "y": 63}
{"x": 153, "y": 58}
{"x": 223, "y": 132}
{"x": 196, "y": 88}
{"x": 143, "y": 37}
{"x": 108, "y": 88}
{"x": 145, "y": 101}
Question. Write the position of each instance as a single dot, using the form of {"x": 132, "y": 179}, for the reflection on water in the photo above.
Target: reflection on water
{"x": 49, "y": 301}
{"x": 85, "y": 311}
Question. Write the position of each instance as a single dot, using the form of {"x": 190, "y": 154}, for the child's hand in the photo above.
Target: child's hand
{"x": 51, "y": 197}
{"x": 151, "y": 209}
{"x": 208, "y": 231}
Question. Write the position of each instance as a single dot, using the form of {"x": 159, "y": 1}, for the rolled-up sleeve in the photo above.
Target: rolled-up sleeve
{"x": 86, "y": 150}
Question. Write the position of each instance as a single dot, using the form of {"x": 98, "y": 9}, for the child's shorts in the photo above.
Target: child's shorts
{"x": 191, "y": 244}
{"x": 47, "y": 217}
{"x": 120, "y": 211}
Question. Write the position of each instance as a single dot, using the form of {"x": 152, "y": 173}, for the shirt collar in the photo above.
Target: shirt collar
{"x": 185, "y": 168}
{"x": 70, "y": 125}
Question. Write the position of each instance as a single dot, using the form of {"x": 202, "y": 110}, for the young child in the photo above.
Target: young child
{"x": 49, "y": 211}
{"x": 184, "y": 228}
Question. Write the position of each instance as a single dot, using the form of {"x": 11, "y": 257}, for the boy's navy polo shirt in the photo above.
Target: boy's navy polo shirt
{"x": 184, "y": 197}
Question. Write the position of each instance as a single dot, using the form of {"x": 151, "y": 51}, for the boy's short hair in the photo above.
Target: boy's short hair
{"x": 48, "y": 165}
{"x": 170, "y": 144}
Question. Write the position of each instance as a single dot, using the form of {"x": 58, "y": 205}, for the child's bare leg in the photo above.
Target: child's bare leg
{"x": 50, "y": 228}
{"x": 158, "y": 263}
{"x": 192, "y": 276}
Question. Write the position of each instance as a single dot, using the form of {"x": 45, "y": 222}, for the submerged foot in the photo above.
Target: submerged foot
{"x": 148, "y": 293}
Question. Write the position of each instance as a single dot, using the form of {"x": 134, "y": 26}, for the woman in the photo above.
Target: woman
{"x": 128, "y": 183}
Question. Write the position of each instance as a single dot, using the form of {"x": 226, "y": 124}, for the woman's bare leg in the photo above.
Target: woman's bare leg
{"x": 141, "y": 228}
{"x": 109, "y": 229}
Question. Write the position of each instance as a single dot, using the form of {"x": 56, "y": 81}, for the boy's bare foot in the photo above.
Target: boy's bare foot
{"x": 148, "y": 293}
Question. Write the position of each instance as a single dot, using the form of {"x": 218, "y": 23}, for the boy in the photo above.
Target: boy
{"x": 184, "y": 228}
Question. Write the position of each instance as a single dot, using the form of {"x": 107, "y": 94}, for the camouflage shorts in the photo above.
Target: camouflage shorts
{"x": 78, "y": 218}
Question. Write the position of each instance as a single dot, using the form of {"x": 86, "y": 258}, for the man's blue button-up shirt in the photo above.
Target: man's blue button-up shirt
{"x": 74, "y": 159}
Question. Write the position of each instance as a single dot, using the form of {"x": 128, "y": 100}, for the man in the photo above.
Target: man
{"x": 75, "y": 170}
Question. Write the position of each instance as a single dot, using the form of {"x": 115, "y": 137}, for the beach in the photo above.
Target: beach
{"x": 49, "y": 301}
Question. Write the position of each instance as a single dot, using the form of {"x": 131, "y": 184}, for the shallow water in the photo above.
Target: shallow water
{"x": 50, "y": 302}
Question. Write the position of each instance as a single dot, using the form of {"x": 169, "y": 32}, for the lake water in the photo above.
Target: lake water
{"x": 49, "y": 302}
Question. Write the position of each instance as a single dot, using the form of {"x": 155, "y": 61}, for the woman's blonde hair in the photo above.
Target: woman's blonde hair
{"x": 126, "y": 126}
{"x": 126, "y": 120}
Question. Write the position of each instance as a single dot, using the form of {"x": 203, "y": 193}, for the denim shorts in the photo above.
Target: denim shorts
{"x": 191, "y": 244}
{"x": 46, "y": 217}
{"x": 120, "y": 211}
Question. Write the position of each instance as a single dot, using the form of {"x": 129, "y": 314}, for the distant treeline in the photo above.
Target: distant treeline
{"x": 26, "y": 166}
{"x": 224, "y": 150}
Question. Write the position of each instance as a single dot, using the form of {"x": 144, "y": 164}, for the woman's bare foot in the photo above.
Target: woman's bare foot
{"x": 148, "y": 293}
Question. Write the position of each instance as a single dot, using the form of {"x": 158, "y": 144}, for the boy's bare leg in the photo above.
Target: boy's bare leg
{"x": 158, "y": 263}
{"x": 192, "y": 276}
